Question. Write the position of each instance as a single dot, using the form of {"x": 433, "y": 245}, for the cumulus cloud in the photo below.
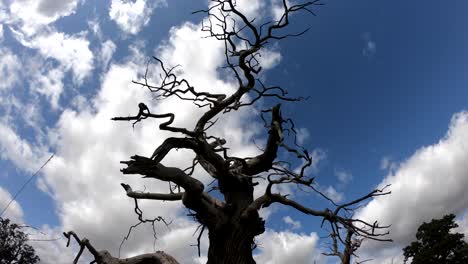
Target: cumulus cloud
{"x": 84, "y": 177}
{"x": 250, "y": 8}
{"x": 332, "y": 193}
{"x": 288, "y": 247}
{"x": 387, "y": 163}
{"x": 179, "y": 243}
{"x": 268, "y": 59}
{"x": 19, "y": 151}
{"x": 277, "y": 9}
{"x": 429, "y": 184}
{"x": 32, "y": 15}
{"x": 294, "y": 224}
{"x": 107, "y": 50}
{"x": 95, "y": 27}
{"x": 10, "y": 67}
{"x": 49, "y": 84}
{"x": 14, "y": 211}
{"x": 72, "y": 51}
{"x": 132, "y": 15}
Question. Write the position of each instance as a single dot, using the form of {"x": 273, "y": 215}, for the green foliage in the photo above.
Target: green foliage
{"x": 13, "y": 247}
{"x": 436, "y": 245}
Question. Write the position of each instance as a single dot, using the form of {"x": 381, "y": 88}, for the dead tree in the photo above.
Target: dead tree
{"x": 233, "y": 221}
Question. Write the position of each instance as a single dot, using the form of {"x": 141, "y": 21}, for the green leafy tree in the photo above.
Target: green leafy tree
{"x": 436, "y": 244}
{"x": 13, "y": 247}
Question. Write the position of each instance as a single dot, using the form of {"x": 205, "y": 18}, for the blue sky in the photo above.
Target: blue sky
{"x": 388, "y": 94}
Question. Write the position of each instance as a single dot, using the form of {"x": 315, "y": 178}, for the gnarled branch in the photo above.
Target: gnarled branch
{"x": 104, "y": 257}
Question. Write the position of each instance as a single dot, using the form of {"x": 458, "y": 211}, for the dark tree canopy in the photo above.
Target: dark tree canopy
{"x": 232, "y": 218}
{"x": 436, "y": 244}
{"x": 13, "y": 247}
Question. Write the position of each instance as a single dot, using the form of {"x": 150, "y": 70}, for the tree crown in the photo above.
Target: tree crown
{"x": 436, "y": 244}
{"x": 13, "y": 247}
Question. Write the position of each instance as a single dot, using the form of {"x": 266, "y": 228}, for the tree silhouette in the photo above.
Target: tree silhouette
{"x": 232, "y": 218}
{"x": 435, "y": 244}
{"x": 13, "y": 247}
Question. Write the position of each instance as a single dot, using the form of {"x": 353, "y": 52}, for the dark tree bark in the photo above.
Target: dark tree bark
{"x": 233, "y": 221}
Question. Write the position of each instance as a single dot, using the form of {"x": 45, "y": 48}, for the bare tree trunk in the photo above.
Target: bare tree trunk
{"x": 232, "y": 239}
{"x": 230, "y": 245}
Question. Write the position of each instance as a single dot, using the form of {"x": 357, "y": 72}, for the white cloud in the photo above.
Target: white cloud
{"x": 187, "y": 53}
{"x": 288, "y": 247}
{"x": 10, "y": 67}
{"x": 95, "y": 27}
{"x": 429, "y": 184}
{"x": 107, "y": 50}
{"x": 33, "y": 15}
{"x": 49, "y": 84}
{"x": 250, "y": 8}
{"x": 14, "y": 211}
{"x": 19, "y": 151}
{"x": 332, "y": 193}
{"x": 25, "y": 113}
{"x": 54, "y": 250}
{"x": 132, "y": 15}
{"x": 277, "y": 9}
{"x": 390, "y": 255}
{"x": 317, "y": 155}
{"x": 388, "y": 164}
{"x": 290, "y": 221}
{"x": 1, "y": 32}
{"x": 72, "y": 51}
{"x": 268, "y": 58}
{"x": 179, "y": 243}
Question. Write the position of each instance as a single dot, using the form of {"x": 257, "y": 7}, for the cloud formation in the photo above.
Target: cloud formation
{"x": 132, "y": 16}
{"x": 14, "y": 212}
{"x": 38, "y": 13}
{"x": 294, "y": 224}
{"x": 72, "y": 51}
{"x": 10, "y": 67}
{"x": 288, "y": 247}
{"x": 429, "y": 184}
{"x": 19, "y": 151}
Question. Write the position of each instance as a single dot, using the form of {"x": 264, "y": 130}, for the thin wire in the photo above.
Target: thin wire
{"x": 24, "y": 185}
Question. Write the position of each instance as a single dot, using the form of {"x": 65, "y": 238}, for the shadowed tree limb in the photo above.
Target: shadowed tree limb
{"x": 104, "y": 257}
{"x": 152, "y": 196}
{"x": 193, "y": 198}
{"x": 355, "y": 226}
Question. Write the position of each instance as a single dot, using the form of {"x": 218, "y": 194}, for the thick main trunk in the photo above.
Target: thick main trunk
{"x": 231, "y": 244}
{"x": 232, "y": 234}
